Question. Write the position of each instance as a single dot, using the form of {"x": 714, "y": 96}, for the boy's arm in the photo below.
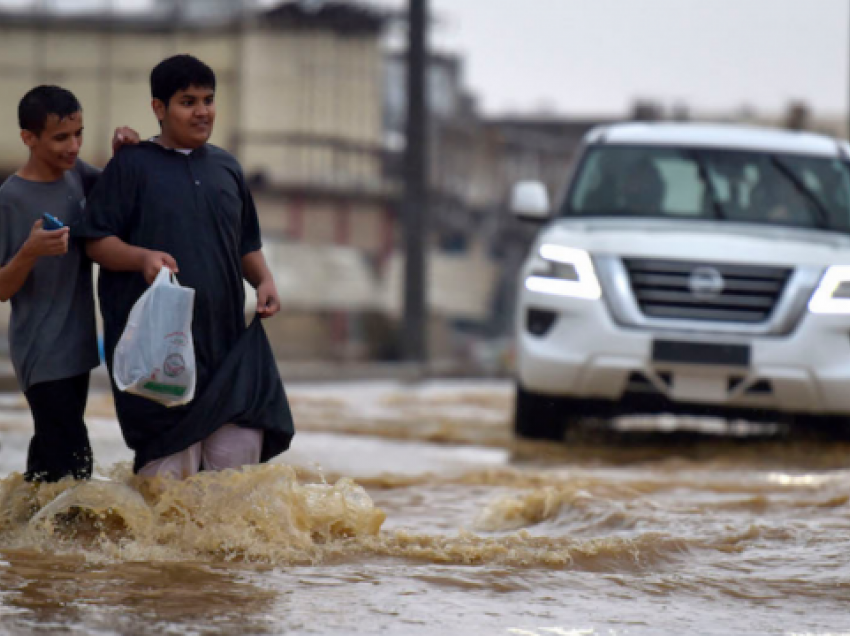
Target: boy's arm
{"x": 114, "y": 254}
{"x": 123, "y": 136}
{"x": 254, "y": 267}
{"x": 257, "y": 272}
{"x": 40, "y": 243}
{"x": 109, "y": 214}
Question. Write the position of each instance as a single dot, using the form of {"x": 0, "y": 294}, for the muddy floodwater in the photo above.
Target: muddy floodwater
{"x": 409, "y": 509}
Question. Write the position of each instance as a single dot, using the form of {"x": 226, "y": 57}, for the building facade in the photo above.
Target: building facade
{"x": 299, "y": 103}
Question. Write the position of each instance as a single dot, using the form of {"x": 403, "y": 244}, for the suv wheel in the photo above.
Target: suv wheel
{"x": 540, "y": 416}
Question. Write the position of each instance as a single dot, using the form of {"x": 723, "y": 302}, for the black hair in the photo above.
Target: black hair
{"x": 178, "y": 73}
{"x": 41, "y": 102}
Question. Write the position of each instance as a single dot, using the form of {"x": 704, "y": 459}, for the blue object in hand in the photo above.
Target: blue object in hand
{"x": 51, "y": 222}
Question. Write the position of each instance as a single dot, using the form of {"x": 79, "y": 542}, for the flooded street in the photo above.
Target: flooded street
{"x": 406, "y": 509}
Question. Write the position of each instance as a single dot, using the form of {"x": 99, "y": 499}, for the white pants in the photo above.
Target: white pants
{"x": 230, "y": 446}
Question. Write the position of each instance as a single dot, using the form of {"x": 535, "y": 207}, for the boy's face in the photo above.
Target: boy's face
{"x": 188, "y": 119}
{"x": 59, "y": 143}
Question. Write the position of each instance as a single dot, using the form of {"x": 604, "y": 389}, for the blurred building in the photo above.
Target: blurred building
{"x": 459, "y": 186}
{"x": 299, "y": 103}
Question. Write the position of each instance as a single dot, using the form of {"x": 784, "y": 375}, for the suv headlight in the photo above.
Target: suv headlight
{"x": 566, "y": 272}
{"x": 833, "y": 294}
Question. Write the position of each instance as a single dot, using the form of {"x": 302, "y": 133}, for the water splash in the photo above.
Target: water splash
{"x": 261, "y": 513}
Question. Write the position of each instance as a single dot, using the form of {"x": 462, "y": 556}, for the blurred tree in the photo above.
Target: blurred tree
{"x": 681, "y": 112}
{"x": 647, "y": 110}
{"x": 798, "y": 116}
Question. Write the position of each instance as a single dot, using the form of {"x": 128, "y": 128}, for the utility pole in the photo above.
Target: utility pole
{"x": 416, "y": 184}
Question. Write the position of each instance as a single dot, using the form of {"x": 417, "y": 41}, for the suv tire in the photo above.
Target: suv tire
{"x": 539, "y": 416}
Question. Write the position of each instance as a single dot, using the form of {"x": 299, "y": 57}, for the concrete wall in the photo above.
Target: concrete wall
{"x": 311, "y": 108}
{"x": 109, "y": 74}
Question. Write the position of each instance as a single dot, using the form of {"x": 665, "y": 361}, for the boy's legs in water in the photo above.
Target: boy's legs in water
{"x": 177, "y": 466}
{"x": 60, "y": 446}
{"x": 231, "y": 446}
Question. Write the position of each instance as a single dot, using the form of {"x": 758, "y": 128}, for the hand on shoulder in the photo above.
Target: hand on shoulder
{"x": 124, "y": 136}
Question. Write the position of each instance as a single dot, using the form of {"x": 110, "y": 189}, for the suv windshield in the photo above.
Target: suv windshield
{"x": 701, "y": 183}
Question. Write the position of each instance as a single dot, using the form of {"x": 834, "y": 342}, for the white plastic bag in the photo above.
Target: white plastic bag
{"x": 155, "y": 357}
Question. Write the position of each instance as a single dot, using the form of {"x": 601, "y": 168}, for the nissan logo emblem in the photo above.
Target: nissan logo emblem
{"x": 706, "y": 282}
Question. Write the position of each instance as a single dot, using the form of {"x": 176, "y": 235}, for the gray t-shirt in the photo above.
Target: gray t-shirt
{"x": 52, "y": 334}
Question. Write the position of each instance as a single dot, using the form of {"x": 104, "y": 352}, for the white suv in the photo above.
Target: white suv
{"x": 691, "y": 268}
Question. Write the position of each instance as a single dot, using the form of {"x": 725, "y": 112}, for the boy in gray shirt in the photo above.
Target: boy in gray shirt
{"x": 47, "y": 276}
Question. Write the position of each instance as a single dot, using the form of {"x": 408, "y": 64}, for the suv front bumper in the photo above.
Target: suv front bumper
{"x": 585, "y": 354}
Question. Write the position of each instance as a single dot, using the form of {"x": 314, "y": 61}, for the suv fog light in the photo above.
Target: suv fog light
{"x": 538, "y": 322}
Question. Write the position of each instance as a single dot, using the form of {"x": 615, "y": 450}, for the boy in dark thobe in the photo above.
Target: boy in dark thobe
{"x": 177, "y": 201}
{"x": 47, "y": 276}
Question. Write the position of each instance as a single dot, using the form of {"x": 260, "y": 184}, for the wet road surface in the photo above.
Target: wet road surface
{"x": 405, "y": 509}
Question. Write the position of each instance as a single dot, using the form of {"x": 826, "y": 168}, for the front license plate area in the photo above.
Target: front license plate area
{"x": 707, "y": 353}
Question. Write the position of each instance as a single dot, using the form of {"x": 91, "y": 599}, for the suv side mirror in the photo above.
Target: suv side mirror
{"x": 530, "y": 201}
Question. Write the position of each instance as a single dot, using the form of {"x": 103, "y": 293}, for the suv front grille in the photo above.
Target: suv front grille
{"x": 718, "y": 292}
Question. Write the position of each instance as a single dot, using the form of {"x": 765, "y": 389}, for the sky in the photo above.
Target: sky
{"x": 593, "y": 57}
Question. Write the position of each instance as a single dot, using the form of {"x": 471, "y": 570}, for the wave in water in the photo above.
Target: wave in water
{"x": 265, "y": 514}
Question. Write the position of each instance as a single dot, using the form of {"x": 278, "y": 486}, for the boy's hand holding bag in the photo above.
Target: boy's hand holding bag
{"x": 155, "y": 357}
